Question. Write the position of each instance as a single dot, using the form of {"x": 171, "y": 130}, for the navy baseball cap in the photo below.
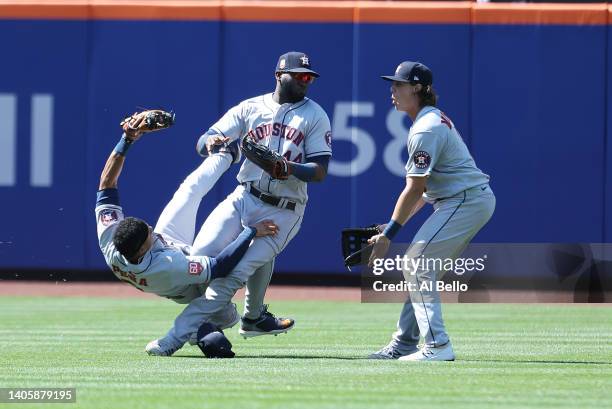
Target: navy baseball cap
{"x": 412, "y": 72}
{"x": 294, "y": 61}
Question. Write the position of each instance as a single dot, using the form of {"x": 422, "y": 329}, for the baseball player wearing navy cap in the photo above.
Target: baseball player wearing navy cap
{"x": 295, "y": 62}
{"x": 440, "y": 171}
{"x": 163, "y": 261}
{"x": 412, "y": 73}
{"x": 298, "y": 129}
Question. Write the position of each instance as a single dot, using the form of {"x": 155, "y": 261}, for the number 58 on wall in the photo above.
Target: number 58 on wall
{"x": 364, "y": 143}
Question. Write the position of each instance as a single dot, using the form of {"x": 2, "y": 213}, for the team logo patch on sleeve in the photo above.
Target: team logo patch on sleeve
{"x": 108, "y": 216}
{"x": 195, "y": 268}
{"x": 328, "y": 138}
{"x": 421, "y": 159}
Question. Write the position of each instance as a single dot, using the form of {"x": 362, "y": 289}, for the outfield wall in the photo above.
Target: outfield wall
{"x": 527, "y": 86}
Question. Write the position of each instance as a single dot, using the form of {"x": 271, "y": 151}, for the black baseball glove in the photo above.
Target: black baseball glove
{"x": 146, "y": 121}
{"x": 355, "y": 248}
{"x": 272, "y": 162}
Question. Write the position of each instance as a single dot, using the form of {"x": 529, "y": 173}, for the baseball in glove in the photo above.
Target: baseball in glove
{"x": 355, "y": 248}
{"x": 146, "y": 121}
{"x": 272, "y": 162}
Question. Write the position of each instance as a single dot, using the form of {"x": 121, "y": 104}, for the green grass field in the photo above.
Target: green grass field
{"x": 512, "y": 356}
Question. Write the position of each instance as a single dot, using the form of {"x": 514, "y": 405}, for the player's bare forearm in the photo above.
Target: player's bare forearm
{"x": 418, "y": 206}
{"x": 407, "y": 204}
{"x": 111, "y": 171}
{"x": 410, "y": 200}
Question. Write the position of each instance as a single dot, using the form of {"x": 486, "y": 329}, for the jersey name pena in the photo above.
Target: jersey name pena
{"x": 297, "y": 131}
{"x": 436, "y": 149}
{"x": 164, "y": 270}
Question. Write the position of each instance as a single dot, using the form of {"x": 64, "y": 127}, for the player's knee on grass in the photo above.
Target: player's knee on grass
{"x": 213, "y": 343}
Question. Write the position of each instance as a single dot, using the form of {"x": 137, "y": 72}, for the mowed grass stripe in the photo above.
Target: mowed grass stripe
{"x": 539, "y": 356}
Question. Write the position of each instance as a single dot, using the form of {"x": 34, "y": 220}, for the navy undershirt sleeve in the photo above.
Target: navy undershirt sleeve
{"x": 307, "y": 171}
{"x": 108, "y": 196}
{"x": 230, "y": 256}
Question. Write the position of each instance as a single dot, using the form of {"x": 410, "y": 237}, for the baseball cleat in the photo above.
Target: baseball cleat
{"x": 266, "y": 324}
{"x": 161, "y": 347}
{"x": 441, "y": 353}
{"x": 393, "y": 351}
{"x": 227, "y": 319}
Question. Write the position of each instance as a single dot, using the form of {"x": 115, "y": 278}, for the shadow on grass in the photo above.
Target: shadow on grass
{"x": 514, "y": 361}
{"x": 307, "y": 357}
{"x": 348, "y": 358}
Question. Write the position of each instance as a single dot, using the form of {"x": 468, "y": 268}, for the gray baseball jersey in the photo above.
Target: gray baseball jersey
{"x": 437, "y": 150}
{"x": 296, "y": 131}
{"x": 463, "y": 203}
{"x": 166, "y": 269}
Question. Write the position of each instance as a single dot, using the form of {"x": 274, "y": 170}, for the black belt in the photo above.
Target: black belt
{"x": 271, "y": 200}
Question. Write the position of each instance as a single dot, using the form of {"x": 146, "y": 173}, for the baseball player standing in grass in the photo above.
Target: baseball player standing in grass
{"x": 440, "y": 171}
{"x": 162, "y": 260}
{"x": 298, "y": 129}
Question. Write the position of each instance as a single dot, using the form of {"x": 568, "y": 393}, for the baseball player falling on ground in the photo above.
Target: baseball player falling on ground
{"x": 440, "y": 171}
{"x": 163, "y": 261}
{"x": 286, "y": 122}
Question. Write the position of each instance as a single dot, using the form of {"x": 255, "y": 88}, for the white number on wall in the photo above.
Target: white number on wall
{"x": 362, "y": 141}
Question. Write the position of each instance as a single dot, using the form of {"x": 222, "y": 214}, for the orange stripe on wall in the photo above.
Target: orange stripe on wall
{"x": 155, "y": 10}
{"x": 310, "y": 11}
{"x": 111, "y": 10}
{"x": 414, "y": 12}
{"x": 292, "y": 11}
{"x": 563, "y": 14}
{"x": 44, "y": 10}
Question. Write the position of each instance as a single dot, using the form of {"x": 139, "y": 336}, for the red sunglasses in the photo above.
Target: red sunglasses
{"x": 303, "y": 77}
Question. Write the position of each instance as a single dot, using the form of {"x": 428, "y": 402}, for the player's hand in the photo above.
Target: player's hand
{"x": 266, "y": 228}
{"x": 215, "y": 140}
{"x": 131, "y": 126}
{"x": 381, "y": 247}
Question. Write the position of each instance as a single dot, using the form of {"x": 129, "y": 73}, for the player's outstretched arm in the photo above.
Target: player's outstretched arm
{"x": 111, "y": 171}
{"x": 115, "y": 161}
{"x": 133, "y": 128}
{"x": 230, "y": 256}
